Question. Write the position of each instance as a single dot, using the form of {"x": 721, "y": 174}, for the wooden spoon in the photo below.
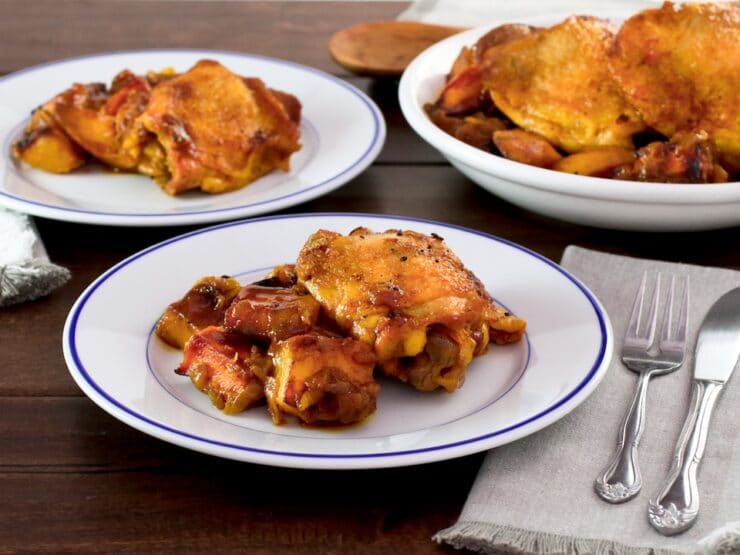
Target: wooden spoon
{"x": 384, "y": 48}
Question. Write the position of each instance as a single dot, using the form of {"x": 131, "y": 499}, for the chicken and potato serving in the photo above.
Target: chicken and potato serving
{"x": 206, "y": 129}
{"x": 653, "y": 100}
{"x": 309, "y": 336}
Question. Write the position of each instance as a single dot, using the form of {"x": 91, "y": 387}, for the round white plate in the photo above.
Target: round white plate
{"x": 509, "y": 392}
{"x": 342, "y": 131}
{"x": 594, "y": 201}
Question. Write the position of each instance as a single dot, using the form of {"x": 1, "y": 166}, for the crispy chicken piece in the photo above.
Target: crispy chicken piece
{"x": 322, "y": 380}
{"x": 226, "y": 366}
{"x": 272, "y": 313}
{"x": 555, "y": 82}
{"x": 46, "y": 146}
{"x": 219, "y": 131}
{"x": 687, "y": 158}
{"x": 409, "y": 297}
{"x": 679, "y": 66}
{"x": 203, "y": 305}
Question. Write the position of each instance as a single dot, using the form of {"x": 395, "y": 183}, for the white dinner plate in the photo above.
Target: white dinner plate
{"x": 342, "y": 131}
{"x": 510, "y": 392}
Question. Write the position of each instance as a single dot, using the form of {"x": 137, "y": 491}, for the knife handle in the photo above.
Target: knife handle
{"x": 676, "y": 505}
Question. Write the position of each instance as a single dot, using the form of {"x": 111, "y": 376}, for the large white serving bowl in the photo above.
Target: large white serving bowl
{"x": 591, "y": 201}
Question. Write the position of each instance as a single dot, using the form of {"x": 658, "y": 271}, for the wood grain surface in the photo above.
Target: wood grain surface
{"x": 73, "y": 479}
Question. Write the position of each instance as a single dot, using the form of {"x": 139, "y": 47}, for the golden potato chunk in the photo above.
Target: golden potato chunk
{"x": 525, "y": 147}
{"x": 203, "y": 305}
{"x": 679, "y": 66}
{"x": 227, "y": 367}
{"x": 595, "y": 162}
{"x": 46, "y": 146}
{"x": 555, "y": 82}
{"x": 322, "y": 380}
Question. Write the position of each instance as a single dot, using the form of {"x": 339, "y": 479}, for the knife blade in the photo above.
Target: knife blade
{"x": 676, "y": 506}
{"x": 719, "y": 339}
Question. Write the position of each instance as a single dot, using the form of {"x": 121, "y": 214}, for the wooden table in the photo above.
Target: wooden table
{"x": 74, "y": 479}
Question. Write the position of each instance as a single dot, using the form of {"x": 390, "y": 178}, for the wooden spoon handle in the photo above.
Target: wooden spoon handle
{"x": 384, "y": 48}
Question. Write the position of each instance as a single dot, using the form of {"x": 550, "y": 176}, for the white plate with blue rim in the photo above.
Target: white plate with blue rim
{"x": 342, "y": 131}
{"x": 509, "y": 392}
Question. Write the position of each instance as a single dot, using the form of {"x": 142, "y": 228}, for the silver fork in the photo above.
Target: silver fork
{"x": 621, "y": 480}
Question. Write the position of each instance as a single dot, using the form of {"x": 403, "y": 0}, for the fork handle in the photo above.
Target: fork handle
{"x": 676, "y": 506}
{"x": 621, "y": 480}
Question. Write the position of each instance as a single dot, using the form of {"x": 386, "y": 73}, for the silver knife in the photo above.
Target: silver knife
{"x": 676, "y": 505}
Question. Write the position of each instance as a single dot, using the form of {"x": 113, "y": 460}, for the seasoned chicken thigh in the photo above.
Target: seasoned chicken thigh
{"x": 555, "y": 82}
{"x": 409, "y": 297}
{"x": 219, "y": 131}
{"x": 679, "y": 66}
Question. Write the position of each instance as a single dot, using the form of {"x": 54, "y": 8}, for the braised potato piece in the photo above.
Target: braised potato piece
{"x": 679, "y": 66}
{"x": 555, "y": 82}
{"x": 596, "y": 162}
{"x": 322, "y": 380}
{"x": 687, "y": 158}
{"x": 463, "y": 92}
{"x": 272, "y": 313}
{"x": 528, "y": 148}
{"x": 46, "y": 146}
{"x": 227, "y": 367}
{"x": 203, "y": 305}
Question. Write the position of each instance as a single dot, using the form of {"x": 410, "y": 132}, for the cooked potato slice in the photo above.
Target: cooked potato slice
{"x": 463, "y": 93}
{"x": 227, "y": 367}
{"x": 46, "y": 146}
{"x": 525, "y": 147}
{"x": 555, "y": 82}
{"x": 679, "y": 66}
{"x": 597, "y": 162}
{"x": 203, "y": 305}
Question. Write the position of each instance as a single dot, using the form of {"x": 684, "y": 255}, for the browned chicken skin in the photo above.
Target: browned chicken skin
{"x": 371, "y": 284}
{"x": 218, "y": 142}
{"x": 679, "y": 66}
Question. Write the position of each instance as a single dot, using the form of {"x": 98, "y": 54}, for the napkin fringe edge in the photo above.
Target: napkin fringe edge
{"x": 486, "y": 537}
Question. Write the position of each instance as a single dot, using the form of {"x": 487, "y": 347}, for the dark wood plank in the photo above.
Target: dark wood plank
{"x": 75, "y": 479}
{"x": 37, "y": 31}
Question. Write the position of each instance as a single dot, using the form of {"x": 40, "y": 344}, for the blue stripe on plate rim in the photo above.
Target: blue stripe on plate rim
{"x": 85, "y": 375}
{"x": 370, "y": 152}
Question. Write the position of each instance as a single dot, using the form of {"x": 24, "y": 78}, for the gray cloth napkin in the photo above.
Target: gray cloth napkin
{"x": 25, "y": 270}
{"x": 536, "y": 495}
